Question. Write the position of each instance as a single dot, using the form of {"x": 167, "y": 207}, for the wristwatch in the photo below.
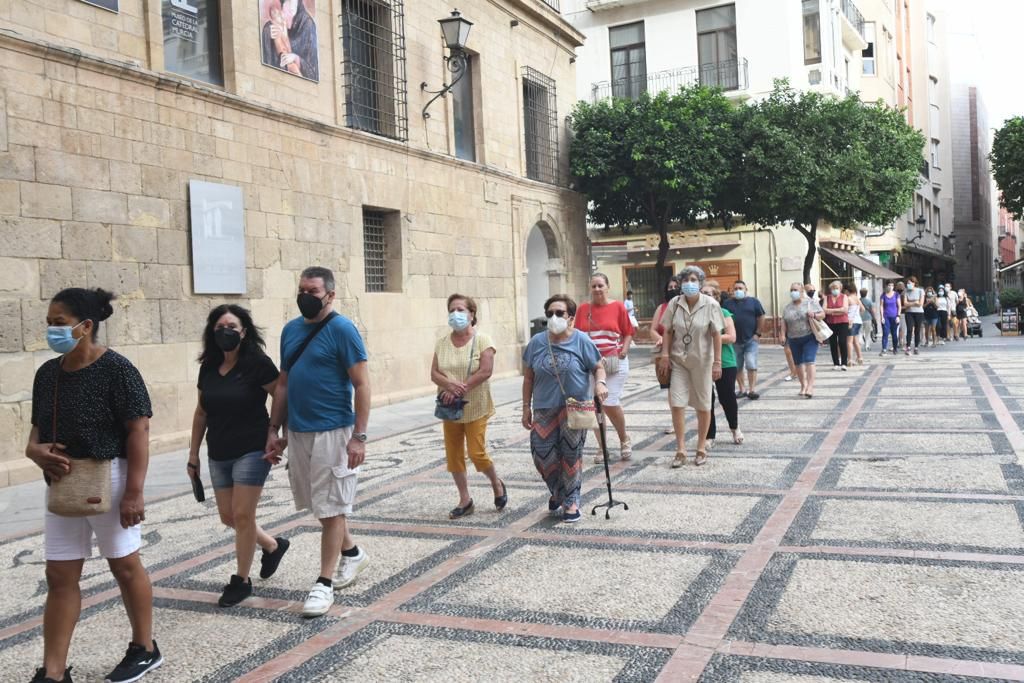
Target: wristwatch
{"x": 359, "y": 436}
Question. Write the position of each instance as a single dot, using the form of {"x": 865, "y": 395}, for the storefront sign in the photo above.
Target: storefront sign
{"x": 689, "y": 239}
{"x": 192, "y": 40}
{"x": 183, "y": 21}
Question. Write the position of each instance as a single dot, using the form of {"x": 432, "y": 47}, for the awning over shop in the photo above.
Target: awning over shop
{"x": 861, "y": 263}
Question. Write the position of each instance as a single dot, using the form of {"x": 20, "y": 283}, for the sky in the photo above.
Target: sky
{"x": 994, "y": 59}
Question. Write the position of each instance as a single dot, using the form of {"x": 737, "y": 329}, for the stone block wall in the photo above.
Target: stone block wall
{"x": 95, "y": 160}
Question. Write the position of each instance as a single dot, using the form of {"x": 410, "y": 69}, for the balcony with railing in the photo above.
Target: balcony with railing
{"x": 554, "y": 4}
{"x": 729, "y": 75}
{"x": 853, "y": 26}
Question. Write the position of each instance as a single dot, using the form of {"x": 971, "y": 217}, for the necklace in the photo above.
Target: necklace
{"x": 687, "y": 337}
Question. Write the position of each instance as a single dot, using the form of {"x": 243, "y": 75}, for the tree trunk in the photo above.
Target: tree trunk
{"x": 811, "y": 235}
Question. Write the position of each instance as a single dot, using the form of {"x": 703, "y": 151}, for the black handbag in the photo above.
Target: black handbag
{"x": 453, "y": 411}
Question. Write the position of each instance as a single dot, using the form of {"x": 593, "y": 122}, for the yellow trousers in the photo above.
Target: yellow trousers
{"x": 457, "y": 436}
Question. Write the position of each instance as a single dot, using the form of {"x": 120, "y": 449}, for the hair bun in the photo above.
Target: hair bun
{"x": 104, "y": 309}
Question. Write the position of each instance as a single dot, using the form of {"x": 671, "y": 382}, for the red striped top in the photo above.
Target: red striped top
{"x": 610, "y": 324}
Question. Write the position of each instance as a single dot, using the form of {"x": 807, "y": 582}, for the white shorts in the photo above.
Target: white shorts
{"x": 318, "y": 472}
{"x": 70, "y": 538}
{"x": 616, "y": 383}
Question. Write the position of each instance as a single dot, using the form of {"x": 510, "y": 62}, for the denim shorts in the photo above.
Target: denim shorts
{"x": 746, "y": 355}
{"x": 249, "y": 470}
{"x": 804, "y": 349}
{"x": 855, "y": 329}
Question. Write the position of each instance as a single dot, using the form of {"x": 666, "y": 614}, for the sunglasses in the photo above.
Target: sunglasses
{"x": 557, "y": 314}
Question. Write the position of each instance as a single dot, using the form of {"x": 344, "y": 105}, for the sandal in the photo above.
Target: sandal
{"x": 702, "y": 457}
{"x": 501, "y": 501}
{"x": 626, "y": 449}
{"x": 679, "y": 460}
{"x": 458, "y": 512}
{"x": 737, "y": 436}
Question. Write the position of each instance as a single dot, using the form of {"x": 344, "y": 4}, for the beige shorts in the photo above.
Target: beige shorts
{"x": 690, "y": 387}
{"x": 318, "y": 472}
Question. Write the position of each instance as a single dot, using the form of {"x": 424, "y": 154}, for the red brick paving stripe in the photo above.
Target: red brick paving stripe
{"x": 1006, "y": 421}
{"x": 711, "y": 627}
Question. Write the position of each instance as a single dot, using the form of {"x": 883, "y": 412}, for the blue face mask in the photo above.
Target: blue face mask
{"x": 739, "y": 293}
{"x": 690, "y": 288}
{"x": 458, "y": 320}
{"x": 60, "y": 338}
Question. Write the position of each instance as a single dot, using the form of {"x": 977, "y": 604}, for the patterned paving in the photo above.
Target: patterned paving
{"x": 875, "y": 533}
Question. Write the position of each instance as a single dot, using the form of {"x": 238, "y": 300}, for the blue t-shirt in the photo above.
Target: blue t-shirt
{"x": 745, "y": 313}
{"x": 319, "y": 389}
{"x": 577, "y": 357}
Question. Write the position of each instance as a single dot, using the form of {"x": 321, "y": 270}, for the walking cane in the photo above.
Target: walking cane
{"x": 607, "y": 475}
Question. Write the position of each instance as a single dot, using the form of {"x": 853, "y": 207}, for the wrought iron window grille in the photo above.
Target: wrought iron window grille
{"x": 540, "y": 118}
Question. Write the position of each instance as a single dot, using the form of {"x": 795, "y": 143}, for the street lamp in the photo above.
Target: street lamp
{"x": 455, "y": 30}
{"x": 920, "y": 222}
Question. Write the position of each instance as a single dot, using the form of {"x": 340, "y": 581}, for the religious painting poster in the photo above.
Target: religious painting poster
{"x": 288, "y": 37}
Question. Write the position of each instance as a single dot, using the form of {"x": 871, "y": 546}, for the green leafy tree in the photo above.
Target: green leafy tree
{"x": 657, "y": 160}
{"x": 1007, "y": 159}
{"x": 809, "y": 158}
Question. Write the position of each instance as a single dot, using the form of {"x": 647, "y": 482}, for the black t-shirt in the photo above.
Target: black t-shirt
{"x": 92, "y": 405}
{"x": 236, "y": 406}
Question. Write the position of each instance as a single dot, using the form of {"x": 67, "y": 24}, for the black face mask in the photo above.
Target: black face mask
{"x": 810, "y": 293}
{"x": 227, "y": 339}
{"x": 309, "y": 305}
{"x": 671, "y": 294}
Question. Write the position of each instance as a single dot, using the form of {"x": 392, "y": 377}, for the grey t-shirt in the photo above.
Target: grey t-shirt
{"x": 915, "y": 300}
{"x": 795, "y": 315}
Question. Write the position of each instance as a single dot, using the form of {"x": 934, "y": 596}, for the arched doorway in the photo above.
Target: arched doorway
{"x": 543, "y": 272}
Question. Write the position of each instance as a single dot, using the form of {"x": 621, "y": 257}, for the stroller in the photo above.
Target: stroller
{"x": 974, "y": 323}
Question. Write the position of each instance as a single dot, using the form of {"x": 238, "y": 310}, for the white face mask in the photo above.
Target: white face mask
{"x": 557, "y": 325}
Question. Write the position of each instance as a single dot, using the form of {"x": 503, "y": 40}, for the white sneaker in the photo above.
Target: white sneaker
{"x": 319, "y": 601}
{"x": 349, "y": 569}
{"x": 788, "y": 378}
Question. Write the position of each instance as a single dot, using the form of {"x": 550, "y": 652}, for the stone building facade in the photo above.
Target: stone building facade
{"x": 100, "y": 136}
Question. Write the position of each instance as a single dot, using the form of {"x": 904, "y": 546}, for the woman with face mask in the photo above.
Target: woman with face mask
{"x": 235, "y": 377}
{"x": 890, "y": 308}
{"x": 607, "y": 323}
{"x": 913, "y": 303}
{"x": 725, "y": 386}
{"x": 461, "y": 369}
{"x": 798, "y": 335}
{"x": 657, "y": 326}
{"x": 931, "y": 317}
{"x": 837, "y": 317}
{"x": 90, "y": 403}
{"x": 942, "y": 312}
{"x": 693, "y": 350}
{"x": 558, "y": 364}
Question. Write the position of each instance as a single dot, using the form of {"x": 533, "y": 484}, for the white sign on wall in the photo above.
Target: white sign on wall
{"x": 218, "y": 238}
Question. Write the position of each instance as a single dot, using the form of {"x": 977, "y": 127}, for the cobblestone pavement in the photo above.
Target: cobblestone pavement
{"x": 873, "y": 533}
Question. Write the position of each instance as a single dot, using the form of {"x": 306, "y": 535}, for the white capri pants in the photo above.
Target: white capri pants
{"x": 616, "y": 383}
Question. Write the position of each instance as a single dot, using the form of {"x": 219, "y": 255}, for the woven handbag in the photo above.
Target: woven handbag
{"x": 85, "y": 489}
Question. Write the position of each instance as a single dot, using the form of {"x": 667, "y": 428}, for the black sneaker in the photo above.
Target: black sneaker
{"x": 269, "y": 561}
{"x": 41, "y": 677}
{"x": 236, "y": 591}
{"x": 136, "y": 664}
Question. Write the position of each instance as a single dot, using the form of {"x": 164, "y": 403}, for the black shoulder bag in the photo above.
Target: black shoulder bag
{"x": 294, "y": 358}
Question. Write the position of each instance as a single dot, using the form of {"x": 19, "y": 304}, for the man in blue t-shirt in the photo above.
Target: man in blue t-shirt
{"x": 747, "y": 312}
{"x": 327, "y": 438}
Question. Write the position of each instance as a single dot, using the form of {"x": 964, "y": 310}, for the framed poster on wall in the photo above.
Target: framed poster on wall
{"x": 218, "y": 238}
{"x": 288, "y": 39}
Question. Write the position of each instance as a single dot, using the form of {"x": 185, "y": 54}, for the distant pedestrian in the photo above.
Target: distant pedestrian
{"x": 235, "y": 377}
{"x": 607, "y": 323}
{"x": 913, "y": 302}
{"x": 867, "y": 319}
{"x": 963, "y": 306}
{"x": 799, "y": 336}
{"x": 693, "y": 349}
{"x": 559, "y": 364}
{"x": 942, "y": 312}
{"x": 90, "y": 414}
{"x": 725, "y": 386}
{"x": 854, "y": 311}
{"x": 323, "y": 371}
{"x": 747, "y": 312}
{"x": 837, "y": 316}
{"x": 461, "y": 369}
{"x": 931, "y": 317}
{"x": 954, "y": 321}
{"x": 901, "y": 289}
{"x": 631, "y": 309}
{"x": 890, "y": 307}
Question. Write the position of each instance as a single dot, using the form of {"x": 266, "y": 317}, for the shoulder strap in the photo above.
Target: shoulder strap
{"x": 554, "y": 366}
{"x": 294, "y": 358}
{"x": 472, "y": 348}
